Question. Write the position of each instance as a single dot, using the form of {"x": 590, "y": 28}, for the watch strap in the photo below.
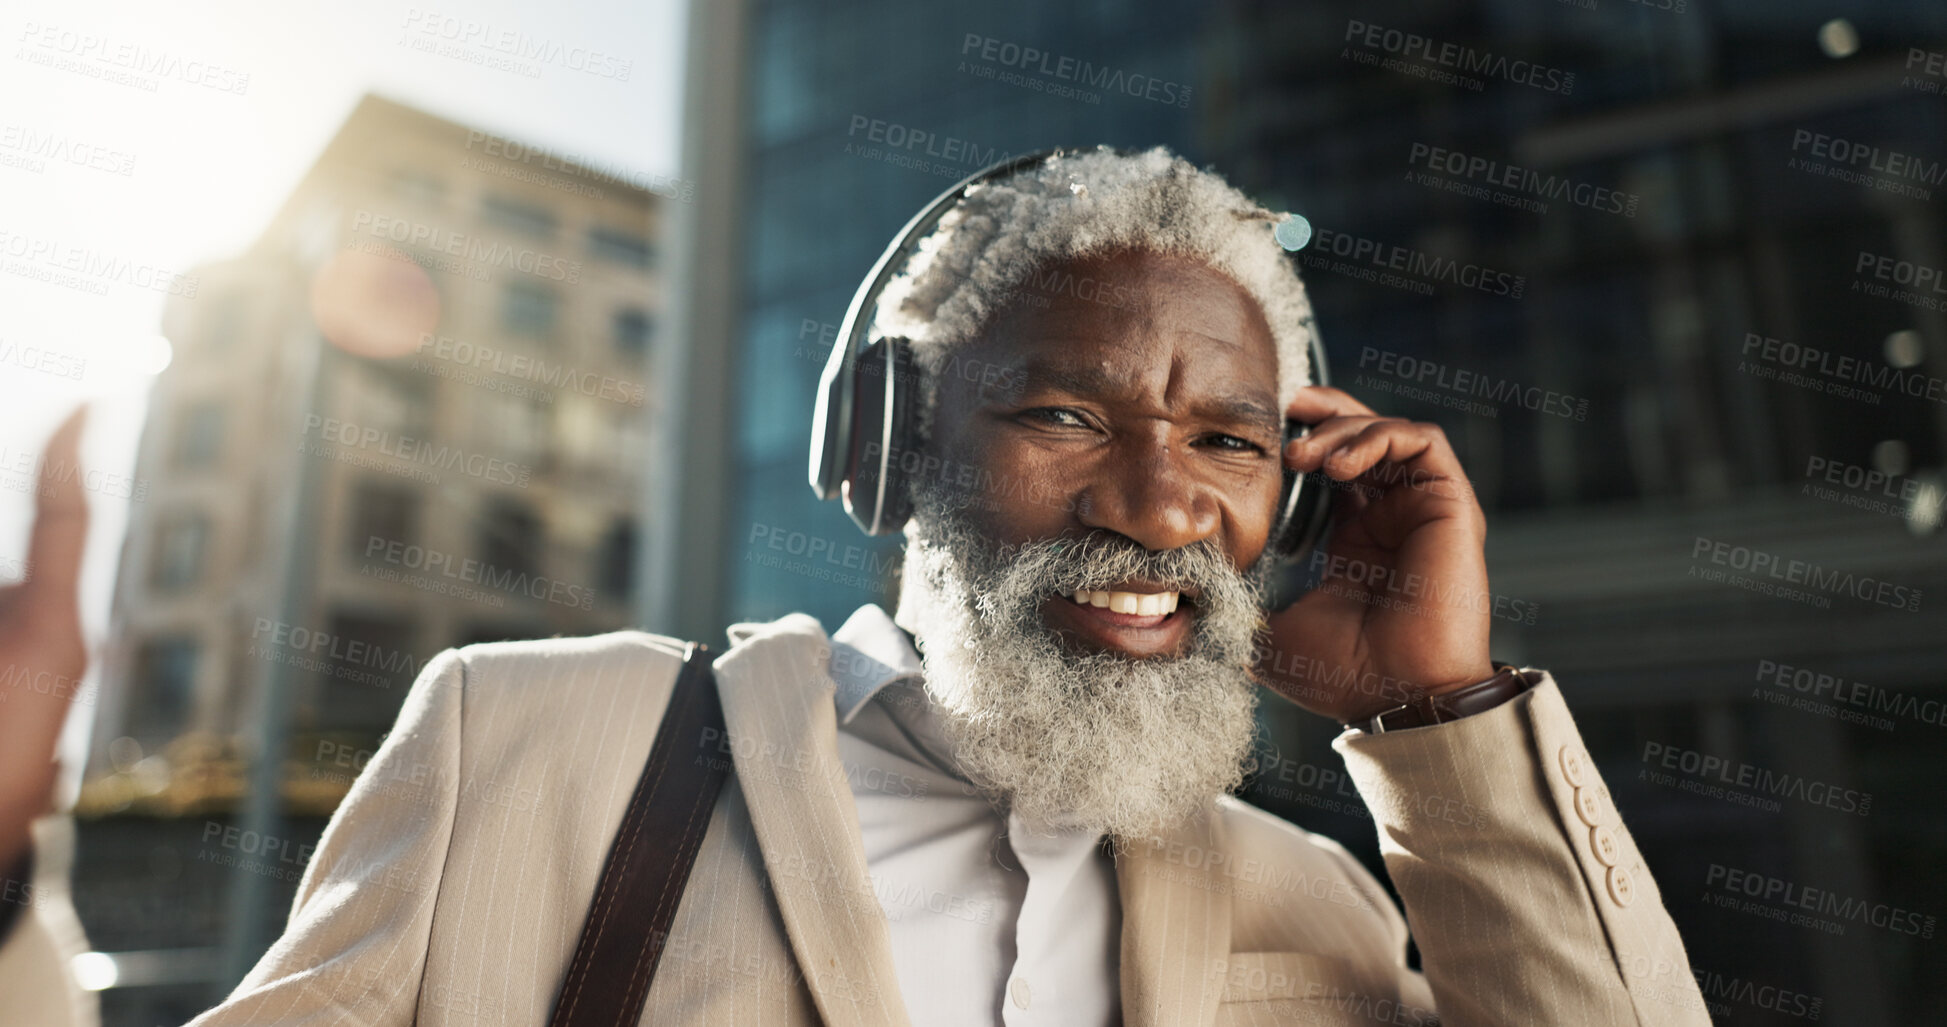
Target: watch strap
{"x": 1425, "y": 710}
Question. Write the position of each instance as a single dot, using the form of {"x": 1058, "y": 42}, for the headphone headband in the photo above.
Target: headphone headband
{"x": 831, "y": 424}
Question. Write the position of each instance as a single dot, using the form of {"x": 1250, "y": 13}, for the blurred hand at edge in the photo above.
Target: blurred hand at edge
{"x": 42, "y": 653}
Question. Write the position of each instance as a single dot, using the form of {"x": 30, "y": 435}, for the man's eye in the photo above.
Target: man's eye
{"x": 1057, "y": 415}
{"x": 1235, "y": 443}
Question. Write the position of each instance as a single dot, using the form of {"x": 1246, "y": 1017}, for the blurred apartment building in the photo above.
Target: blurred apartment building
{"x": 414, "y": 415}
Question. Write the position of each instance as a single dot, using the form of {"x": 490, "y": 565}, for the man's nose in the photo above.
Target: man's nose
{"x": 1146, "y": 492}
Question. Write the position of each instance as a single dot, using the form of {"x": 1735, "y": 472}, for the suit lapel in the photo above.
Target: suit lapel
{"x": 1175, "y": 924}
{"x": 778, "y": 708}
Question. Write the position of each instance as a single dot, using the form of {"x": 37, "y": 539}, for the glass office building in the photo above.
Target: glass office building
{"x": 1659, "y": 270}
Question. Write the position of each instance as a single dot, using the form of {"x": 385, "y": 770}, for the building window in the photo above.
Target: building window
{"x": 383, "y": 516}
{"x": 389, "y": 397}
{"x": 165, "y": 681}
{"x": 515, "y": 428}
{"x": 510, "y": 539}
{"x": 180, "y": 541}
{"x": 371, "y": 666}
{"x": 199, "y": 436}
{"x": 525, "y": 218}
{"x": 615, "y": 561}
{"x": 625, "y": 248}
{"x": 632, "y": 328}
{"x": 528, "y": 309}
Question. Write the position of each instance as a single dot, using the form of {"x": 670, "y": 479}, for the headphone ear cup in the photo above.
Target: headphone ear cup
{"x": 876, "y": 492}
{"x": 1308, "y": 517}
{"x": 1303, "y": 507}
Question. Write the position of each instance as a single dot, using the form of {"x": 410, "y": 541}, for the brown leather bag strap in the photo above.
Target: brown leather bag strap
{"x": 649, "y": 862}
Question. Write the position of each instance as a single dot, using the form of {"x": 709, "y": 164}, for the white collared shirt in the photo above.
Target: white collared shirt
{"x": 991, "y": 921}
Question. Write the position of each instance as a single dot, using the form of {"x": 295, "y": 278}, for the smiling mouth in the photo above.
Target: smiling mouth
{"x": 1142, "y": 604}
{"x": 1152, "y": 622}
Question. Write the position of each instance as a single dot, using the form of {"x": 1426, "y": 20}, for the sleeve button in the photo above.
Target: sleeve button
{"x": 1572, "y": 766}
{"x": 1621, "y": 888}
{"x": 1603, "y": 842}
{"x": 1587, "y": 807}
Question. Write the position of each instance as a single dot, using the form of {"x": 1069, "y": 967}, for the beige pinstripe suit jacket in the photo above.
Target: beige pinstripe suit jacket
{"x": 451, "y": 885}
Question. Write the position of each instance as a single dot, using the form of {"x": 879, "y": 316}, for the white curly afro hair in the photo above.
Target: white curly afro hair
{"x": 1078, "y": 205}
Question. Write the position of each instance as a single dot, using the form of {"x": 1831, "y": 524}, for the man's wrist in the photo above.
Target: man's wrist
{"x": 1448, "y": 703}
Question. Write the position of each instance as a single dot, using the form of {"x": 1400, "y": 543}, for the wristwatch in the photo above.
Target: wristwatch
{"x": 1423, "y": 710}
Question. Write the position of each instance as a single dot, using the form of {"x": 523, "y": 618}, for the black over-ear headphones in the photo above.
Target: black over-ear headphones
{"x": 865, "y": 426}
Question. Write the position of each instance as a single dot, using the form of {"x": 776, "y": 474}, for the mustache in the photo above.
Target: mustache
{"x": 1101, "y": 559}
{"x": 1008, "y": 582}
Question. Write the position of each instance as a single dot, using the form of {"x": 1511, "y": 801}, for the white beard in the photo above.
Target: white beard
{"x": 1090, "y": 740}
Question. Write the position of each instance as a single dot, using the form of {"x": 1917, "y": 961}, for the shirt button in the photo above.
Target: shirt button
{"x": 1587, "y": 807}
{"x": 1603, "y": 841}
{"x": 1018, "y": 988}
{"x": 1621, "y": 888}
{"x": 1572, "y": 766}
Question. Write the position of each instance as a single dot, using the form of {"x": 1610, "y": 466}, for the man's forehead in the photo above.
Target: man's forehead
{"x": 1056, "y": 368}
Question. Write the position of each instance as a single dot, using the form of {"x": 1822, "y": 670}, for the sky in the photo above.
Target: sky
{"x": 138, "y": 140}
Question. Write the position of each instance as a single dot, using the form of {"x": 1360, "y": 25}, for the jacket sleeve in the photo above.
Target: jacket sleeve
{"x": 1526, "y": 894}
{"x": 354, "y": 949}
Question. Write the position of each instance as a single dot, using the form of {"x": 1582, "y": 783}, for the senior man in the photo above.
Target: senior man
{"x": 1009, "y": 802}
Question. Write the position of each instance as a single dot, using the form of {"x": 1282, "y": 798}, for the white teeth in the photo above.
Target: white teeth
{"x": 1142, "y": 604}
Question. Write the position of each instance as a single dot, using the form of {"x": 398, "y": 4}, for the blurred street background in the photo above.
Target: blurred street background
{"x": 406, "y": 329}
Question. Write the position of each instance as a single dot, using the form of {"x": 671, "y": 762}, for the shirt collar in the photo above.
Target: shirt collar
{"x": 869, "y": 652}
